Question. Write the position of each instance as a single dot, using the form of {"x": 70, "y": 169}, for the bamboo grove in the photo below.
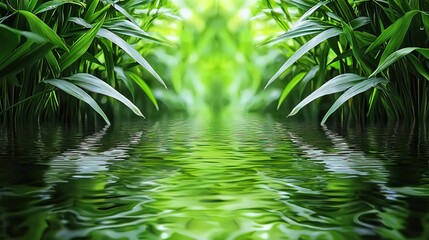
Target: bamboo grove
{"x": 370, "y": 56}
{"x": 78, "y": 47}
{"x": 355, "y": 60}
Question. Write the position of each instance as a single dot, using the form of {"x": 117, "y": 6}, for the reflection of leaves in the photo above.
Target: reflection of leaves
{"x": 390, "y": 220}
{"x": 413, "y": 191}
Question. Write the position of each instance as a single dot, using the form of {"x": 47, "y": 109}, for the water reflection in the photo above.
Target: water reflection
{"x": 221, "y": 178}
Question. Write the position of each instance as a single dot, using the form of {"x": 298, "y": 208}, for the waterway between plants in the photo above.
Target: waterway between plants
{"x": 251, "y": 177}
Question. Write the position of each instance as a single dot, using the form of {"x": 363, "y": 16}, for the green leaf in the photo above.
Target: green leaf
{"x": 292, "y": 83}
{"x": 79, "y": 47}
{"x": 337, "y": 84}
{"x": 126, "y": 27}
{"x": 351, "y": 92}
{"x": 10, "y": 41}
{"x": 80, "y": 21}
{"x": 142, "y": 84}
{"x": 17, "y": 62}
{"x": 301, "y": 29}
{"x": 51, "y": 5}
{"x": 304, "y": 49}
{"x": 130, "y": 51}
{"x": 128, "y": 83}
{"x": 396, "y": 31}
{"x": 311, "y": 11}
{"x": 392, "y": 58}
{"x": 91, "y": 9}
{"x": 125, "y": 13}
{"x": 40, "y": 28}
{"x": 29, "y": 35}
{"x": 109, "y": 62}
{"x": 94, "y": 84}
{"x": 53, "y": 64}
{"x": 425, "y": 20}
{"x": 16, "y": 54}
{"x": 78, "y": 93}
{"x": 98, "y": 14}
{"x": 357, "y": 53}
{"x": 359, "y": 22}
{"x": 419, "y": 67}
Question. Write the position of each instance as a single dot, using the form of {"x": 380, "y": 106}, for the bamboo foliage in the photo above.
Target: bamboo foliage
{"x": 71, "y": 46}
{"x": 376, "y": 48}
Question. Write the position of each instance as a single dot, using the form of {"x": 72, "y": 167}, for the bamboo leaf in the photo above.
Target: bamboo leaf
{"x": 304, "y": 49}
{"x": 142, "y": 84}
{"x": 419, "y": 67}
{"x": 29, "y": 35}
{"x": 128, "y": 83}
{"x": 351, "y": 92}
{"x": 126, "y": 27}
{"x": 80, "y": 47}
{"x": 91, "y": 9}
{"x": 311, "y": 11}
{"x": 18, "y": 62}
{"x": 130, "y": 51}
{"x": 400, "y": 25}
{"x": 392, "y": 58}
{"x": 53, "y": 64}
{"x": 51, "y": 5}
{"x": 303, "y": 28}
{"x": 359, "y": 22}
{"x": 96, "y": 85}
{"x": 292, "y": 83}
{"x": 78, "y": 93}
{"x": 40, "y": 28}
{"x": 125, "y": 13}
{"x": 337, "y": 84}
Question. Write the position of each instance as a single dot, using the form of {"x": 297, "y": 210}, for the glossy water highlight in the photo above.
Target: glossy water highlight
{"x": 246, "y": 178}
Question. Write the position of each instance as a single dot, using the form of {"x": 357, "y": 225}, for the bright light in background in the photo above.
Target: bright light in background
{"x": 245, "y": 14}
{"x": 186, "y": 13}
{"x": 216, "y": 64}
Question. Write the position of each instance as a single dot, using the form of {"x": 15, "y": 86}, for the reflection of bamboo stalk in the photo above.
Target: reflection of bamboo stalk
{"x": 349, "y": 160}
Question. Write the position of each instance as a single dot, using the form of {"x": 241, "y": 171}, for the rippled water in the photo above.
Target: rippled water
{"x": 220, "y": 178}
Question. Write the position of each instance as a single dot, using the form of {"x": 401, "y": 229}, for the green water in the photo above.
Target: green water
{"x": 219, "y": 178}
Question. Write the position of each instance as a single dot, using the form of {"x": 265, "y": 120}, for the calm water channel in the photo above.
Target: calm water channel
{"x": 247, "y": 178}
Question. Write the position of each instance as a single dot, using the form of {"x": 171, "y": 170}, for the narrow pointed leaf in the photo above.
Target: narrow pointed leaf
{"x": 142, "y": 84}
{"x": 120, "y": 73}
{"x": 304, "y": 28}
{"x": 50, "y": 5}
{"x": 125, "y": 13}
{"x": 337, "y": 84}
{"x": 311, "y": 11}
{"x": 40, "y": 28}
{"x": 292, "y": 83}
{"x": 419, "y": 67}
{"x": 78, "y": 93}
{"x": 96, "y": 85}
{"x": 392, "y": 30}
{"x": 392, "y": 58}
{"x": 128, "y": 28}
{"x": 53, "y": 64}
{"x": 304, "y": 49}
{"x": 29, "y": 35}
{"x": 79, "y": 47}
{"x": 130, "y": 51}
{"x": 20, "y": 62}
{"x": 351, "y": 92}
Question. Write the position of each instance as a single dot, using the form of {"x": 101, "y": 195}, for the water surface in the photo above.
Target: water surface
{"x": 219, "y": 178}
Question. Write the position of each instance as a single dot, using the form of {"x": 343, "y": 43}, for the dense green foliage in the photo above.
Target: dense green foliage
{"x": 77, "y": 47}
{"x": 368, "y": 54}
{"x": 367, "y": 59}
